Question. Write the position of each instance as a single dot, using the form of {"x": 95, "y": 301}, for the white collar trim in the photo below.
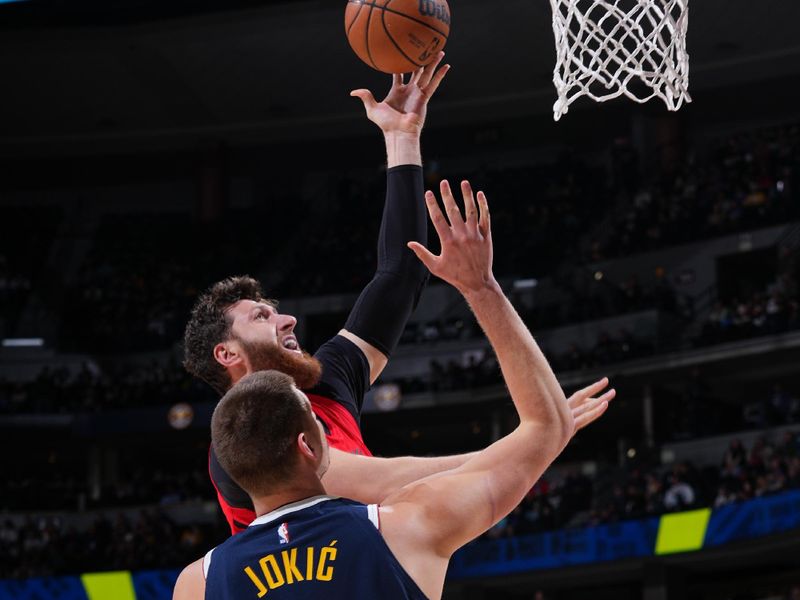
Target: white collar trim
{"x": 290, "y": 508}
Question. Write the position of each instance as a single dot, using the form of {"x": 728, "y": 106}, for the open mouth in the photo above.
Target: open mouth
{"x": 290, "y": 343}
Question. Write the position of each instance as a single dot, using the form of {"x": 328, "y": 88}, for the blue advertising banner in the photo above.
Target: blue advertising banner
{"x": 747, "y": 520}
{"x": 556, "y": 549}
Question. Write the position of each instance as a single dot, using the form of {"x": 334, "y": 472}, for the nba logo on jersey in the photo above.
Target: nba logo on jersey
{"x": 283, "y": 533}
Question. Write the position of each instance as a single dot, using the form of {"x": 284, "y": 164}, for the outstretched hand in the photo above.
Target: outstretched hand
{"x": 586, "y": 409}
{"x": 466, "y": 241}
{"x": 404, "y": 108}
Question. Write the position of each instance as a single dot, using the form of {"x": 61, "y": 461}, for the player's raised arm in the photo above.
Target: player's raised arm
{"x": 428, "y": 520}
{"x": 384, "y": 306}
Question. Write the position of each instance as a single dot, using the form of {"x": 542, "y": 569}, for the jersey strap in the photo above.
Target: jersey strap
{"x": 374, "y": 514}
{"x": 207, "y": 563}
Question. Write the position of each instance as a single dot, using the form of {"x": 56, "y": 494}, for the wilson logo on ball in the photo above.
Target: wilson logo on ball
{"x": 437, "y": 10}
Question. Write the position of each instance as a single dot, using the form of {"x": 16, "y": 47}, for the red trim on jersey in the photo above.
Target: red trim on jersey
{"x": 344, "y": 434}
{"x": 233, "y": 515}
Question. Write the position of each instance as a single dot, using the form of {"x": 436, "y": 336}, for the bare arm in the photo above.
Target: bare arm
{"x": 428, "y": 520}
{"x": 370, "y": 479}
{"x": 191, "y": 584}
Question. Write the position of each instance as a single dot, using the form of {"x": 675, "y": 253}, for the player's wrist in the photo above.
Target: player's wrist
{"x": 402, "y": 148}
{"x": 402, "y": 136}
{"x": 483, "y": 292}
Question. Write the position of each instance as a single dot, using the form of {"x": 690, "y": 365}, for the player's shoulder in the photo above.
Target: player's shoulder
{"x": 191, "y": 583}
{"x": 339, "y": 348}
{"x": 345, "y": 374}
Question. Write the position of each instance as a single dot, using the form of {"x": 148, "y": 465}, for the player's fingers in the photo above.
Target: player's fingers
{"x": 437, "y": 218}
{"x": 608, "y": 396}
{"x": 431, "y": 88}
{"x": 580, "y": 404}
{"x": 429, "y": 70}
{"x": 423, "y": 254}
{"x": 589, "y": 390}
{"x": 590, "y": 416}
{"x": 397, "y": 80}
{"x": 485, "y": 220}
{"x": 470, "y": 210}
{"x": 450, "y": 206}
{"x": 589, "y": 405}
{"x": 366, "y": 97}
{"x": 416, "y": 76}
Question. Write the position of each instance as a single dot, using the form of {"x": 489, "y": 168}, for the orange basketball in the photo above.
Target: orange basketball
{"x": 397, "y": 36}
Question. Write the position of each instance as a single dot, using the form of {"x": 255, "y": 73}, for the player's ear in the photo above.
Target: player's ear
{"x": 227, "y": 354}
{"x": 307, "y": 446}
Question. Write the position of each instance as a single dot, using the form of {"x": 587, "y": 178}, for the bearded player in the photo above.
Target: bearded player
{"x": 234, "y": 330}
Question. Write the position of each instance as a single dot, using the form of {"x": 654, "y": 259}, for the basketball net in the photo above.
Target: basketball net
{"x": 611, "y": 48}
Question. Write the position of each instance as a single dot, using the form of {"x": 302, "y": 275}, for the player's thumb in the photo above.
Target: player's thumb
{"x": 423, "y": 254}
{"x": 365, "y": 96}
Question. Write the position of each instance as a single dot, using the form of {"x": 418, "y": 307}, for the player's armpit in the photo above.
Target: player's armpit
{"x": 377, "y": 360}
{"x": 191, "y": 584}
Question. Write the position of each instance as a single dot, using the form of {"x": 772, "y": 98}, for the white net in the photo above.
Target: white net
{"x": 610, "y": 48}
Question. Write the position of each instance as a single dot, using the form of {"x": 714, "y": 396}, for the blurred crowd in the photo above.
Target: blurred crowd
{"x": 642, "y": 490}
{"x": 582, "y": 296}
{"x": 69, "y": 490}
{"x": 775, "y": 309}
{"x": 137, "y": 283}
{"x": 59, "y": 391}
{"x": 41, "y": 547}
{"x": 480, "y": 368}
{"x": 745, "y": 182}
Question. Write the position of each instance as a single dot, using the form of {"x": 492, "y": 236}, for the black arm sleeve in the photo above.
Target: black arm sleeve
{"x": 383, "y": 308}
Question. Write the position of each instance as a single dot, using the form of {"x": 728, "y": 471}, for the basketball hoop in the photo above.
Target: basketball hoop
{"x": 611, "y": 48}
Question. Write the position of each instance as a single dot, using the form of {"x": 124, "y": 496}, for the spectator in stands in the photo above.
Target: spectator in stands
{"x": 789, "y": 446}
{"x": 724, "y": 496}
{"x": 734, "y": 459}
{"x": 679, "y": 495}
{"x": 782, "y": 406}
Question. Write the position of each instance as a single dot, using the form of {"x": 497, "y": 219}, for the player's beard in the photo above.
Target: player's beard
{"x": 302, "y": 367}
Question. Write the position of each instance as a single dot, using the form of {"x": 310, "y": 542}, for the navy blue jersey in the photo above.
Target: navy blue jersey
{"x": 320, "y": 547}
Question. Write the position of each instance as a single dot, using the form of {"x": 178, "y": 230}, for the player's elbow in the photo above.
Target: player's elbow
{"x": 552, "y": 428}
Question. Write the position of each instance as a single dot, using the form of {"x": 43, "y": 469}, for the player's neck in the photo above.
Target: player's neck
{"x": 294, "y": 492}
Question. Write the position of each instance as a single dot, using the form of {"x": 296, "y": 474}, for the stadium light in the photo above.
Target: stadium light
{"x": 22, "y": 342}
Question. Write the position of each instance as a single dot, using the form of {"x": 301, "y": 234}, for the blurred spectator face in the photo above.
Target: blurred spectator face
{"x": 267, "y": 341}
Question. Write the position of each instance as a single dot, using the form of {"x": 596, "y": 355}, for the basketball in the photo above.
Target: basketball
{"x": 397, "y": 36}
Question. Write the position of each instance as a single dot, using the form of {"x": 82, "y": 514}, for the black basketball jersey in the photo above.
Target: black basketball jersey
{"x": 320, "y": 547}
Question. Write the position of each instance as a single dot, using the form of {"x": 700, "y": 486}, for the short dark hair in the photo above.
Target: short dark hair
{"x": 254, "y": 428}
{"x": 209, "y": 325}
